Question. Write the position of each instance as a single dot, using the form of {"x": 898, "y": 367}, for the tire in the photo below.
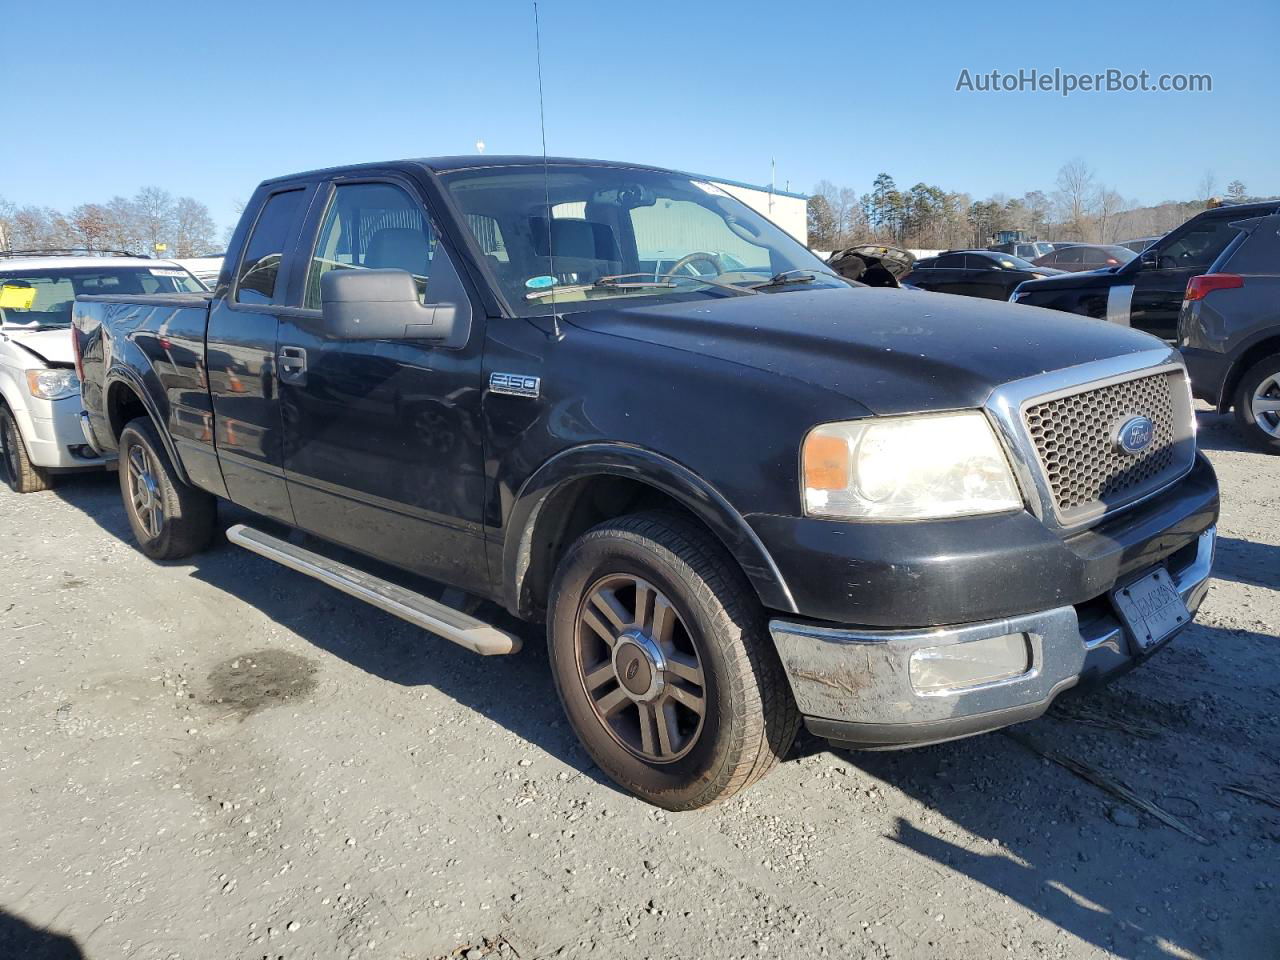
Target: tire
{"x": 748, "y": 718}
{"x": 20, "y": 473}
{"x": 1260, "y": 383}
{"x": 170, "y": 520}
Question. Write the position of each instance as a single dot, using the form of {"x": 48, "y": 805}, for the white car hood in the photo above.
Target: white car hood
{"x": 51, "y": 346}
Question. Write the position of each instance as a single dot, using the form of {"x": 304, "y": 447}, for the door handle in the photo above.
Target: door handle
{"x": 292, "y": 363}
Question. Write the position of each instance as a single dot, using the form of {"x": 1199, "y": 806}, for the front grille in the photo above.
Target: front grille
{"x": 1075, "y": 440}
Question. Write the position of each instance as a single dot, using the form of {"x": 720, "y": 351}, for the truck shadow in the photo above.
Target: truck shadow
{"x": 1218, "y": 431}
{"x": 1244, "y": 561}
{"x": 515, "y": 691}
{"x": 1082, "y": 859}
{"x": 19, "y": 939}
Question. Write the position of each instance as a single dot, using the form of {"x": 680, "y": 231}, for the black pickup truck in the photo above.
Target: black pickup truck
{"x": 740, "y": 490}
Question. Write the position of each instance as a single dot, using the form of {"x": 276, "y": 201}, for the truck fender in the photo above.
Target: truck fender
{"x": 650, "y": 468}
{"x": 119, "y": 373}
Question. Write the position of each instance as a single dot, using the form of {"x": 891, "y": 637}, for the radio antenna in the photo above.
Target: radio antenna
{"x": 546, "y": 170}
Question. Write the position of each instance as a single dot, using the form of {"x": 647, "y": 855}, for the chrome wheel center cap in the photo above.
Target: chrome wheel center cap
{"x": 639, "y": 665}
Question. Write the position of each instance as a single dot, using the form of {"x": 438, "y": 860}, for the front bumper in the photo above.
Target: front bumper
{"x": 854, "y": 686}
{"x": 53, "y": 436}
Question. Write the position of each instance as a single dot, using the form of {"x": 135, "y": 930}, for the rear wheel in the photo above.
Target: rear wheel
{"x": 170, "y": 519}
{"x": 19, "y": 472}
{"x": 662, "y": 660}
{"x": 1257, "y": 403}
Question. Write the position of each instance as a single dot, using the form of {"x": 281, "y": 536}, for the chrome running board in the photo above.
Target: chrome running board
{"x": 421, "y": 611}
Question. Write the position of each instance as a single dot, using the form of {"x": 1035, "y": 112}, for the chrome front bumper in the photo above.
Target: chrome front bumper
{"x": 855, "y": 686}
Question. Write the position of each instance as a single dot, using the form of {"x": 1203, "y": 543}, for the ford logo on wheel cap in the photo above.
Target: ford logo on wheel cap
{"x": 1135, "y": 435}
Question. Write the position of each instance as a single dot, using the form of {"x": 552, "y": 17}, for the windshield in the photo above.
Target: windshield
{"x": 618, "y": 233}
{"x": 41, "y": 299}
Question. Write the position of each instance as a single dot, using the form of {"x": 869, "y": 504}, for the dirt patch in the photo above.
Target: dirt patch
{"x": 264, "y": 678}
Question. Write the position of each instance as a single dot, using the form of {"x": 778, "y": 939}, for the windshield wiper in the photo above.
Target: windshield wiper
{"x": 632, "y": 281}
{"x": 798, "y": 275}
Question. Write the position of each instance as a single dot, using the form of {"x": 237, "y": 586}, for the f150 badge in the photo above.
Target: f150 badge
{"x": 515, "y": 384}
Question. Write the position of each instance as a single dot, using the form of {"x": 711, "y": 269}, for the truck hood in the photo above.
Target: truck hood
{"x": 888, "y": 350}
{"x": 51, "y": 346}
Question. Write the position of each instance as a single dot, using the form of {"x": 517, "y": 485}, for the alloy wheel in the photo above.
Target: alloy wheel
{"x": 640, "y": 668}
{"x": 144, "y": 491}
{"x": 1266, "y": 405}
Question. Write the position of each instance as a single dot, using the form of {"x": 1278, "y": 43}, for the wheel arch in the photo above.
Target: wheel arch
{"x": 127, "y": 398}
{"x": 1264, "y": 346}
{"x": 586, "y": 485}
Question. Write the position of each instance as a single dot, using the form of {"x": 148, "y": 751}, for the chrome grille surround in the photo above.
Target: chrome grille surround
{"x": 1058, "y": 429}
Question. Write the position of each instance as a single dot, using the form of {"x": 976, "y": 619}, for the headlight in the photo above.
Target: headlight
{"x": 52, "y": 384}
{"x": 907, "y": 468}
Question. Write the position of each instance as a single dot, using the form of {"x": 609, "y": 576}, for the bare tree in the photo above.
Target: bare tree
{"x": 1107, "y": 206}
{"x": 1208, "y": 186}
{"x": 1237, "y": 192}
{"x": 91, "y": 224}
{"x": 154, "y": 211}
{"x": 193, "y": 228}
{"x": 1075, "y": 190}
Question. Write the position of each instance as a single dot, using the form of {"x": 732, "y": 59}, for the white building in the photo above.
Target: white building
{"x": 788, "y": 210}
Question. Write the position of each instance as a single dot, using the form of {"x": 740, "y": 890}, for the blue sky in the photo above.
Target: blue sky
{"x": 207, "y": 99}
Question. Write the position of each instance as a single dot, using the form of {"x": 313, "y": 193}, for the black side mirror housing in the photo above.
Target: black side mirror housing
{"x": 360, "y": 304}
{"x": 1150, "y": 258}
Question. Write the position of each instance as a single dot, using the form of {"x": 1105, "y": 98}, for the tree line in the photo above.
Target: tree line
{"x": 1080, "y": 208}
{"x": 151, "y": 222}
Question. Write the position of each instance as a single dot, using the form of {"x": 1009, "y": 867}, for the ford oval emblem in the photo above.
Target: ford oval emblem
{"x": 1135, "y": 435}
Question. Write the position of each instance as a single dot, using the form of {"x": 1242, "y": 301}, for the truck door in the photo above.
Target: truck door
{"x": 240, "y": 358}
{"x": 382, "y": 438}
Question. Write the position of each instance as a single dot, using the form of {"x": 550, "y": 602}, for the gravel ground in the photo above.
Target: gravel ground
{"x": 224, "y": 759}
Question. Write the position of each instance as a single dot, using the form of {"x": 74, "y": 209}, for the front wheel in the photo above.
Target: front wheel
{"x": 170, "y": 520}
{"x": 663, "y": 662}
{"x": 1257, "y": 403}
{"x": 20, "y": 473}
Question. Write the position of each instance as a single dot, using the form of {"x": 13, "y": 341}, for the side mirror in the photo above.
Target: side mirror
{"x": 383, "y": 305}
{"x": 1150, "y": 258}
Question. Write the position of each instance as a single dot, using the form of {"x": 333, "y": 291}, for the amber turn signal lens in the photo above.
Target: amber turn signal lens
{"x": 826, "y": 462}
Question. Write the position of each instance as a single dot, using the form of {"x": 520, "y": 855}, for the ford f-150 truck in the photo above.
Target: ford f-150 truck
{"x": 739, "y": 490}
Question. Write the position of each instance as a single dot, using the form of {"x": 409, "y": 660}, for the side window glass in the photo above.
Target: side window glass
{"x": 1200, "y": 247}
{"x": 975, "y": 262}
{"x": 260, "y": 266}
{"x": 372, "y": 226}
{"x": 1071, "y": 255}
{"x": 952, "y": 260}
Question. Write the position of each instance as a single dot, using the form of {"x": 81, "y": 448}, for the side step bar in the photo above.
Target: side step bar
{"x": 430, "y": 615}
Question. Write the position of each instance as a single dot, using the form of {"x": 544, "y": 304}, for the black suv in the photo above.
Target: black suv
{"x": 737, "y": 489}
{"x": 974, "y": 273}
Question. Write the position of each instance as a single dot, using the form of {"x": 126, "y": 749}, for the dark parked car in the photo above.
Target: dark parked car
{"x": 1147, "y": 292}
{"x": 1086, "y": 256}
{"x": 974, "y": 273}
{"x": 1025, "y": 249}
{"x": 1229, "y": 330}
{"x": 736, "y": 499}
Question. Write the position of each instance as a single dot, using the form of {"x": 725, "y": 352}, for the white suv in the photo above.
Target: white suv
{"x": 40, "y": 431}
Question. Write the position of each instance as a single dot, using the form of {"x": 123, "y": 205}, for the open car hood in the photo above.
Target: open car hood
{"x": 872, "y": 264}
{"x": 51, "y": 346}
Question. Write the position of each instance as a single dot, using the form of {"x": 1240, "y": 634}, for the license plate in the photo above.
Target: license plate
{"x": 1151, "y": 608}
